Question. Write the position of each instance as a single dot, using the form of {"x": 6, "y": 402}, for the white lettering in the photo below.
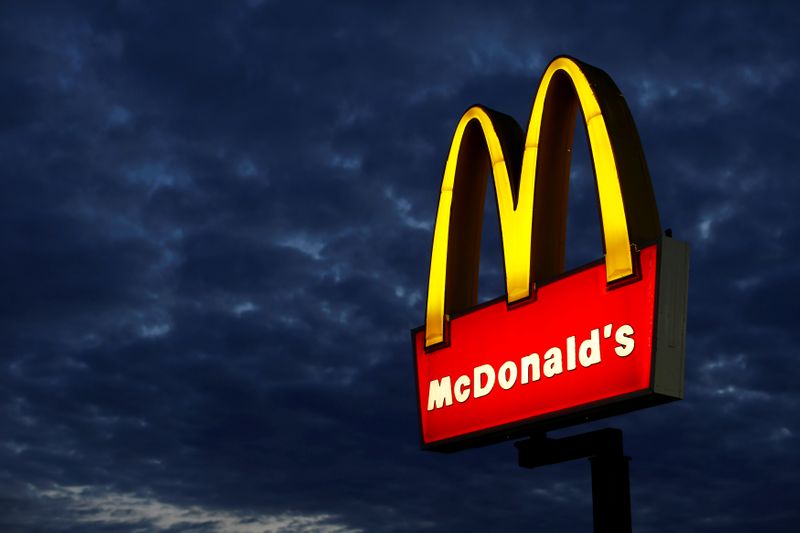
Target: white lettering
{"x": 623, "y": 338}
{"x": 552, "y": 362}
{"x": 571, "y": 353}
{"x": 462, "y": 389}
{"x": 483, "y": 390}
{"x": 507, "y": 375}
{"x": 530, "y": 368}
{"x": 440, "y": 393}
{"x": 589, "y": 353}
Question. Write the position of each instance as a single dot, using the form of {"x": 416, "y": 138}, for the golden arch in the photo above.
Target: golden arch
{"x": 533, "y": 212}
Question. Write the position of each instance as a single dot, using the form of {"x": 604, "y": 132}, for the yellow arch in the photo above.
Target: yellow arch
{"x": 517, "y": 218}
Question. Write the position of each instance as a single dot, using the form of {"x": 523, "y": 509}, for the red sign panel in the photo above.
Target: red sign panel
{"x": 578, "y": 344}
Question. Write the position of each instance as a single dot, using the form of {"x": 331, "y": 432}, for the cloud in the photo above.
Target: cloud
{"x": 216, "y": 227}
{"x": 101, "y": 509}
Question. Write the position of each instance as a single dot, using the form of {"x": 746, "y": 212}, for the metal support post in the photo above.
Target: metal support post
{"x": 611, "y": 494}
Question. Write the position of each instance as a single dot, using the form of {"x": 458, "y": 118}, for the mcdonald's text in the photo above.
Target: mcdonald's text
{"x": 530, "y": 368}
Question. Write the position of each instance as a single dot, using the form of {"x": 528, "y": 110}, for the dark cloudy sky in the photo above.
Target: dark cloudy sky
{"x": 216, "y": 220}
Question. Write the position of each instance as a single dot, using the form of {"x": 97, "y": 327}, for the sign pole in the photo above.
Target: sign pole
{"x": 611, "y": 493}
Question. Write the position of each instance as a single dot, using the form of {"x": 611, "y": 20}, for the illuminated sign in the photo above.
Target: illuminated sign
{"x": 556, "y": 349}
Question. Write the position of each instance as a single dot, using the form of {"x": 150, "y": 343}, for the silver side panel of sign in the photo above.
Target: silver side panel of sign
{"x": 670, "y": 338}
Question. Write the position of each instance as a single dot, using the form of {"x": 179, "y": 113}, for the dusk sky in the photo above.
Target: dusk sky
{"x": 216, "y": 231}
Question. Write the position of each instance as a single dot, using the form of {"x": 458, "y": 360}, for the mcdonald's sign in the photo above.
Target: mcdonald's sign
{"x": 559, "y": 348}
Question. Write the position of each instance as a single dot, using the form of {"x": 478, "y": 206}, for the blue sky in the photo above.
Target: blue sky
{"x": 216, "y": 221}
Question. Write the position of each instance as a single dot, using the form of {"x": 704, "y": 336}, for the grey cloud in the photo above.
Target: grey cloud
{"x": 216, "y": 229}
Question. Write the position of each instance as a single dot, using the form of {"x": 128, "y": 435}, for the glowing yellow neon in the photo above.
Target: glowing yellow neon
{"x": 515, "y": 225}
{"x": 615, "y": 226}
{"x": 516, "y": 222}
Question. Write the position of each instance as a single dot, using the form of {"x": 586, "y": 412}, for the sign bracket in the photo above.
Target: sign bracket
{"x": 611, "y": 493}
